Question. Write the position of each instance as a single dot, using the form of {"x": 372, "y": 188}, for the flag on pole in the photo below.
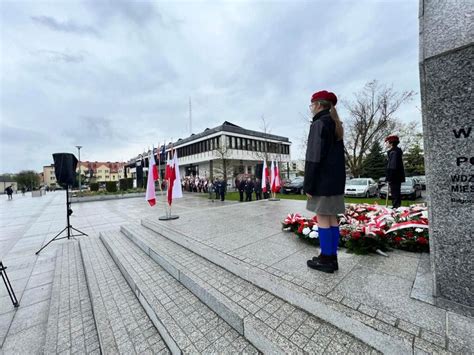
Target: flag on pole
{"x": 170, "y": 178}
{"x": 272, "y": 176}
{"x": 150, "y": 195}
{"x": 177, "y": 188}
{"x": 264, "y": 176}
{"x": 277, "y": 177}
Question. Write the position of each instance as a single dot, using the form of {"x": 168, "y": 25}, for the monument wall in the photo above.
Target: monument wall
{"x": 446, "y": 76}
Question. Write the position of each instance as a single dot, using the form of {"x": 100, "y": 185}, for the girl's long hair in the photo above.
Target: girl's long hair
{"x": 335, "y": 118}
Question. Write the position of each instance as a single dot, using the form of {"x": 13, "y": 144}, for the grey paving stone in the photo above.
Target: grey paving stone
{"x": 391, "y": 294}
{"x": 367, "y": 310}
{"x": 408, "y": 327}
{"x": 28, "y": 341}
{"x": 460, "y": 333}
{"x": 116, "y": 309}
{"x": 271, "y": 310}
{"x": 70, "y": 310}
{"x": 155, "y": 283}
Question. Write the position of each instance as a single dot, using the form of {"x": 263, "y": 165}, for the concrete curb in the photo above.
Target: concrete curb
{"x": 106, "y": 197}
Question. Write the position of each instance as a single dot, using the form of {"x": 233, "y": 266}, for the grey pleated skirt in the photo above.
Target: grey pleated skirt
{"x": 326, "y": 205}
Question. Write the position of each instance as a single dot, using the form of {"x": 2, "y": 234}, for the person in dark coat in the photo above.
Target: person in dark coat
{"x": 395, "y": 173}
{"x": 249, "y": 187}
{"x": 9, "y": 192}
{"x": 266, "y": 194}
{"x": 258, "y": 189}
{"x": 221, "y": 189}
{"x": 325, "y": 177}
{"x": 216, "y": 189}
{"x": 241, "y": 188}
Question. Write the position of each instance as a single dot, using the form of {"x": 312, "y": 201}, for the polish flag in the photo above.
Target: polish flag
{"x": 277, "y": 177}
{"x": 177, "y": 188}
{"x": 264, "y": 176}
{"x": 170, "y": 177}
{"x": 173, "y": 177}
{"x": 272, "y": 176}
{"x": 150, "y": 195}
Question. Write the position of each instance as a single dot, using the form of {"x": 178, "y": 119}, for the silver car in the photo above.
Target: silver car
{"x": 410, "y": 189}
{"x": 361, "y": 187}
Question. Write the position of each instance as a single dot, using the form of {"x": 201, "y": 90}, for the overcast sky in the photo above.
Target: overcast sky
{"x": 115, "y": 76}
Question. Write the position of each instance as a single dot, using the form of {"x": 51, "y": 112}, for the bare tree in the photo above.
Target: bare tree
{"x": 263, "y": 154}
{"x": 372, "y": 117}
{"x": 222, "y": 162}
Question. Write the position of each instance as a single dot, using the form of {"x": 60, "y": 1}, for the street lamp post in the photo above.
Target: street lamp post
{"x": 79, "y": 154}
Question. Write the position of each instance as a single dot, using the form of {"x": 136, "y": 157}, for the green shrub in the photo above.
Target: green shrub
{"x": 94, "y": 186}
{"x": 111, "y": 186}
{"x": 123, "y": 184}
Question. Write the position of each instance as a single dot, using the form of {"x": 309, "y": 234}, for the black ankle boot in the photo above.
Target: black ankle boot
{"x": 322, "y": 263}
{"x": 333, "y": 258}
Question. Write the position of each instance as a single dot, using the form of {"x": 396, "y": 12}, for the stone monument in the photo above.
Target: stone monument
{"x": 446, "y": 75}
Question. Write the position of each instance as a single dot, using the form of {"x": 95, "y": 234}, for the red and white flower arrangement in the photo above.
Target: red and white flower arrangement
{"x": 366, "y": 228}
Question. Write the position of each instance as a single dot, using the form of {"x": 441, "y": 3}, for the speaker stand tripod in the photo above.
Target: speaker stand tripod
{"x": 6, "y": 281}
{"x": 68, "y": 227}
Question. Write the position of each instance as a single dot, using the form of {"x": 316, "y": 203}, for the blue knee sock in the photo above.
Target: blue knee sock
{"x": 335, "y": 239}
{"x": 325, "y": 238}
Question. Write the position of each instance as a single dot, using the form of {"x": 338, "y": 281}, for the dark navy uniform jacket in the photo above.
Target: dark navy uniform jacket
{"x": 325, "y": 168}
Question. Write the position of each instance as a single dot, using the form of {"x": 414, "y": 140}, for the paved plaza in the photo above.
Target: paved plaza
{"x": 152, "y": 286}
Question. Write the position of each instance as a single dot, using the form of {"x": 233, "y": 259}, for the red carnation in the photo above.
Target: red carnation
{"x": 356, "y": 235}
{"x": 409, "y": 234}
{"x": 397, "y": 239}
{"x": 422, "y": 240}
{"x": 344, "y": 232}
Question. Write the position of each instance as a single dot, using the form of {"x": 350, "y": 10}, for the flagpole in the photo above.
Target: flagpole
{"x": 168, "y": 216}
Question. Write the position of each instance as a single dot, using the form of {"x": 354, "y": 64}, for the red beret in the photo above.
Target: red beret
{"x": 324, "y": 95}
{"x": 392, "y": 139}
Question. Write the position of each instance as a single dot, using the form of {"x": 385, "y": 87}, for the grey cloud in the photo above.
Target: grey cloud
{"x": 66, "y": 26}
{"x": 57, "y": 56}
{"x": 94, "y": 129}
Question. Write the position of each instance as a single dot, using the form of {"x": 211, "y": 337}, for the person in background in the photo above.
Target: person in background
{"x": 210, "y": 189}
{"x": 248, "y": 187}
{"x": 325, "y": 177}
{"x": 395, "y": 173}
{"x": 221, "y": 189}
{"x": 258, "y": 189}
{"x": 9, "y": 192}
{"x": 241, "y": 188}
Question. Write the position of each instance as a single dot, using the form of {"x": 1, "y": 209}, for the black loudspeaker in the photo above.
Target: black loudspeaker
{"x": 65, "y": 165}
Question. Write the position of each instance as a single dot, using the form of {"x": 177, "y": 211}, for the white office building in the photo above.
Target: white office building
{"x": 226, "y": 150}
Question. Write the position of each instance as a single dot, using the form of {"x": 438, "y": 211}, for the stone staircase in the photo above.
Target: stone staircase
{"x": 149, "y": 289}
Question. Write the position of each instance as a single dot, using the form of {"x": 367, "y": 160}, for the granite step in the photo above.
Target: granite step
{"x": 268, "y": 322}
{"x": 122, "y": 325}
{"x": 71, "y": 326}
{"x": 186, "y": 323}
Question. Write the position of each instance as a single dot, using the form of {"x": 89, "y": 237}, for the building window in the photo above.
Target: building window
{"x": 227, "y": 141}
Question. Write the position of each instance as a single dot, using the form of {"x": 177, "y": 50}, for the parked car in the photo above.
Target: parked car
{"x": 422, "y": 180}
{"x": 294, "y": 186}
{"x": 382, "y": 182}
{"x": 361, "y": 187}
{"x": 410, "y": 189}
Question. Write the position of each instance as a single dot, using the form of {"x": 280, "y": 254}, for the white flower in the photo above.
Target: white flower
{"x": 315, "y": 227}
{"x": 306, "y": 230}
{"x": 313, "y": 235}
{"x": 419, "y": 230}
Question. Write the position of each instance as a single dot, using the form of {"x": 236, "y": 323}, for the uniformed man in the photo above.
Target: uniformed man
{"x": 395, "y": 174}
